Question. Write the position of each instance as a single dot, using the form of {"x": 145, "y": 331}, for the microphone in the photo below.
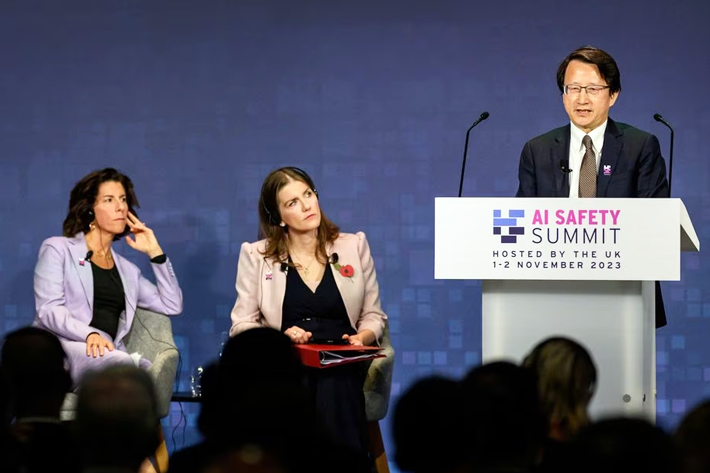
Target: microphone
{"x": 88, "y": 256}
{"x": 284, "y": 268}
{"x": 659, "y": 118}
{"x": 483, "y": 116}
{"x": 563, "y": 166}
{"x": 334, "y": 258}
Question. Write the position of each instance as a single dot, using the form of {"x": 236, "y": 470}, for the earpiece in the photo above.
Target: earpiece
{"x": 87, "y": 216}
{"x": 272, "y": 218}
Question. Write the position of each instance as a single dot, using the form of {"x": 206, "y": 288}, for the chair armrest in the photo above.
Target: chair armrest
{"x": 378, "y": 383}
{"x": 163, "y": 371}
{"x": 151, "y": 335}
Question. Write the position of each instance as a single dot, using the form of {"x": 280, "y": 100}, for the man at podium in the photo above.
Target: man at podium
{"x": 593, "y": 156}
{"x": 624, "y": 161}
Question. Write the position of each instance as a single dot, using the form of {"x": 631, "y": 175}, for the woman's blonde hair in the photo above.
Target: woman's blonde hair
{"x": 567, "y": 378}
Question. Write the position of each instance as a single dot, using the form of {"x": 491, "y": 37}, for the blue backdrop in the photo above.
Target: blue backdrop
{"x": 198, "y": 100}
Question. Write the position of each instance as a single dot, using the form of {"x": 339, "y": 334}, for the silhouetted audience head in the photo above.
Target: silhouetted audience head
{"x": 262, "y": 355}
{"x": 5, "y": 414}
{"x": 692, "y": 439}
{"x": 504, "y": 424}
{"x": 5, "y": 417}
{"x": 35, "y": 378}
{"x": 255, "y": 365}
{"x": 426, "y": 427}
{"x": 249, "y": 458}
{"x": 621, "y": 445}
{"x": 116, "y": 418}
{"x": 36, "y": 372}
{"x": 257, "y": 389}
{"x": 566, "y": 379}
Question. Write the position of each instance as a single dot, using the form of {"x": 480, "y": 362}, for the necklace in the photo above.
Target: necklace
{"x": 103, "y": 254}
{"x": 106, "y": 255}
{"x": 304, "y": 268}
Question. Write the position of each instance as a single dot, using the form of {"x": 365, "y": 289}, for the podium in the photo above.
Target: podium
{"x": 580, "y": 268}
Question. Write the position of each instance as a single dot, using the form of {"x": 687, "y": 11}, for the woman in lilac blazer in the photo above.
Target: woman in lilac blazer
{"x": 313, "y": 283}
{"x": 85, "y": 292}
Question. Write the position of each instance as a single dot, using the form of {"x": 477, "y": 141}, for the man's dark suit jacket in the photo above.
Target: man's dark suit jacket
{"x": 632, "y": 155}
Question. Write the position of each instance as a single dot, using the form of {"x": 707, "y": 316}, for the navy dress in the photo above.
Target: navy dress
{"x": 337, "y": 391}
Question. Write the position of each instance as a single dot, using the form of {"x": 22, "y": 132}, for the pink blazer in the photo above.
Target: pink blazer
{"x": 261, "y": 286}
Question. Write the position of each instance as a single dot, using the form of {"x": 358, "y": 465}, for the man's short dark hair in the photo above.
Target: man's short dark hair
{"x": 591, "y": 55}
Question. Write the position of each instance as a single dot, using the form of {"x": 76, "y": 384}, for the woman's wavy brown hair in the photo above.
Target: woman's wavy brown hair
{"x": 567, "y": 379}
{"x": 270, "y": 217}
{"x": 83, "y": 198}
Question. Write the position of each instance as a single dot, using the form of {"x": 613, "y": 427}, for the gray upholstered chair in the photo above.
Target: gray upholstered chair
{"x": 151, "y": 335}
{"x": 377, "y": 388}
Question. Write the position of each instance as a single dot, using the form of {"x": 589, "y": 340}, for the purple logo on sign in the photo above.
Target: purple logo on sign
{"x": 508, "y": 226}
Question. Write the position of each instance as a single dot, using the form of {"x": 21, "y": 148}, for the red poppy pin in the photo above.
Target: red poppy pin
{"x": 345, "y": 271}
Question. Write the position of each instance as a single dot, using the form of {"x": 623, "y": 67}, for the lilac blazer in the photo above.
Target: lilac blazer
{"x": 261, "y": 286}
{"x": 64, "y": 297}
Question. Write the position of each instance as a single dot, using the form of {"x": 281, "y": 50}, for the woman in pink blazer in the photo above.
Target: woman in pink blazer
{"x": 85, "y": 292}
{"x": 313, "y": 283}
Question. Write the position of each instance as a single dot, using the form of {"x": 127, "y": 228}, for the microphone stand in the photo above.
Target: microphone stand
{"x": 483, "y": 116}
{"x": 660, "y": 119}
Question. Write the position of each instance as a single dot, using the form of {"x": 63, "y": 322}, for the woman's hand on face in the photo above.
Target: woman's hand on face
{"x": 144, "y": 239}
{"x": 354, "y": 339}
{"x": 96, "y": 345}
{"x": 298, "y": 335}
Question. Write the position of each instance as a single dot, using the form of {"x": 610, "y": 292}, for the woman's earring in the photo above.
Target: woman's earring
{"x": 92, "y": 226}
{"x": 282, "y": 224}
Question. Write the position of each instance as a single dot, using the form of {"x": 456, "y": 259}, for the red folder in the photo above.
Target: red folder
{"x": 325, "y": 356}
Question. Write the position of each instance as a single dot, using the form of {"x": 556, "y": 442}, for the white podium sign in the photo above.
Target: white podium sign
{"x": 558, "y": 239}
{"x": 580, "y": 268}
